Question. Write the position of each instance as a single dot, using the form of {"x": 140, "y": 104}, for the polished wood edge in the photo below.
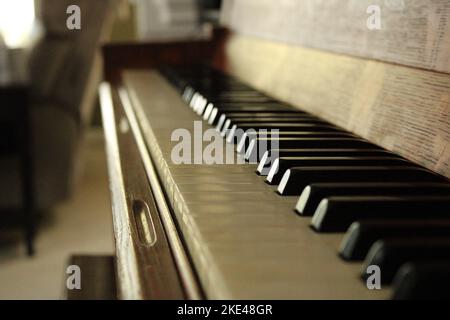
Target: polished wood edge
{"x": 158, "y": 274}
{"x": 128, "y": 286}
{"x": 185, "y": 269}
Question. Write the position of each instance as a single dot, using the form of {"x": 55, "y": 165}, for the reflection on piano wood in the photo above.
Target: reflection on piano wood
{"x": 356, "y": 177}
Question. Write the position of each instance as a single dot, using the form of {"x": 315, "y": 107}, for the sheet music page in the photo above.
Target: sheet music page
{"x": 412, "y": 32}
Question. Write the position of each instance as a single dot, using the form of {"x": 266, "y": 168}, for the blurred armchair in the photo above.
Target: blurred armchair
{"x": 64, "y": 71}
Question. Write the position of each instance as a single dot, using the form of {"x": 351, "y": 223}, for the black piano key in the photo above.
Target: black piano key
{"x": 236, "y": 136}
{"x": 274, "y": 119}
{"x": 256, "y": 107}
{"x": 216, "y": 112}
{"x": 230, "y": 126}
{"x": 269, "y": 156}
{"x": 296, "y": 179}
{"x": 281, "y": 164}
{"x": 260, "y": 145}
{"x": 253, "y": 108}
{"x": 251, "y": 134}
{"x": 428, "y": 280}
{"x": 272, "y": 123}
{"x": 390, "y": 254}
{"x": 233, "y": 94}
{"x": 245, "y": 100}
{"x": 336, "y": 214}
{"x": 258, "y": 115}
{"x": 251, "y": 127}
{"x": 251, "y": 116}
{"x": 361, "y": 235}
{"x": 311, "y": 196}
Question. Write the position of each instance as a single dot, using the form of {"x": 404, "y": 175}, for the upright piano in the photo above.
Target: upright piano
{"x": 301, "y": 152}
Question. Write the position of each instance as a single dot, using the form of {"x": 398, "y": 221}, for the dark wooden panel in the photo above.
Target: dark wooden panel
{"x": 120, "y": 56}
{"x": 157, "y": 272}
{"x": 97, "y": 278}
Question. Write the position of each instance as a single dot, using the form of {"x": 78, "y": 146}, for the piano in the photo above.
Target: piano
{"x": 274, "y": 163}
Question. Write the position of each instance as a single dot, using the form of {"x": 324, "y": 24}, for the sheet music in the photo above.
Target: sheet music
{"x": 166, "y": 19}
{"x": 413, "y": 32}
{"x": 402, "y": 121}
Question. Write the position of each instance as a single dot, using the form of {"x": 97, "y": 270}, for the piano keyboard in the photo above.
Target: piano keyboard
{"x": 306, "y": 216}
